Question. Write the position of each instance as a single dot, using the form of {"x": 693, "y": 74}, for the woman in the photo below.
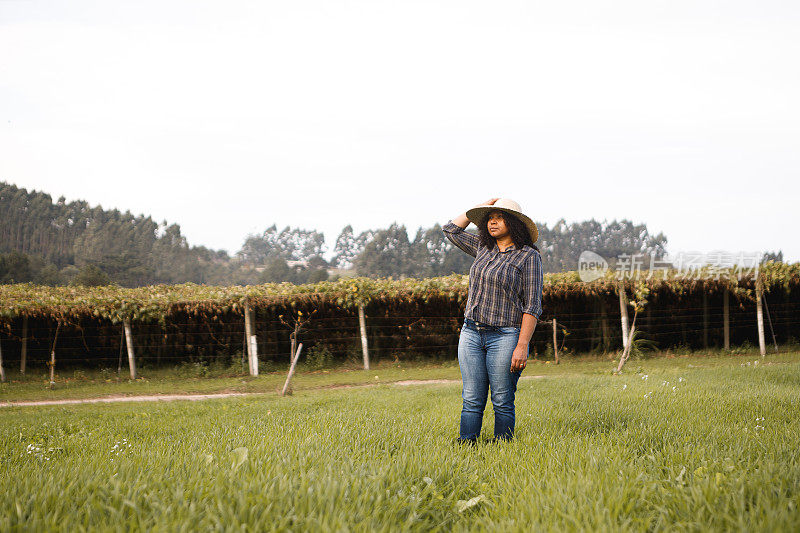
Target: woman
{"x": 503, "y": 306}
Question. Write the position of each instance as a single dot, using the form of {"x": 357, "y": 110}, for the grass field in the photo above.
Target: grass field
{"x": 673, "y": 444}
{"x": 203, "y": 379}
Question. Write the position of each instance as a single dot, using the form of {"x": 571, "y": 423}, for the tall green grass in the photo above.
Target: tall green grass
{"x": 667, "y": 448}
{"x": 85, "y": 383}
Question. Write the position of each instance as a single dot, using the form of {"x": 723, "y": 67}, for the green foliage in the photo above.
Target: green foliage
{"x": 197, "y": 369}
{"x": 772, "y": 256}
{"x": 387, "y": 254}
{"x": 49, "y": 275}
{"x": 642, "y": 347}
{"x": 15, "y": 268}
{"x": 132, "y": 250}
{"x": 156, "y": 302}
{"x": 202, "y": 369}
{"x": 266, "y": 366}
{"x": 641, "y": 292}
{"x": 90, "y": 276}
{"x": 355, "y": 354}
{"x": 548, "y": 353}
{"x": 743, "y": 348}
{"x": 562, "y": 244}
{"x": 319, "y": 356}
{"x": 135, "y": 250}
{"x": 316, "y": 275}
{"x": 276, "y": 270}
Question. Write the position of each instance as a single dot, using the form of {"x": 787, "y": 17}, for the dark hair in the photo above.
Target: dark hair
{"x": 516, "y": 229}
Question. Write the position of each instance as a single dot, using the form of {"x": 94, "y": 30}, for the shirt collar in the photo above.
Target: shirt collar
{"x": 508, "y": 249}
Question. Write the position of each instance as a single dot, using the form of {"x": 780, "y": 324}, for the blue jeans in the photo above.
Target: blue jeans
{"x": 484, "y": 356}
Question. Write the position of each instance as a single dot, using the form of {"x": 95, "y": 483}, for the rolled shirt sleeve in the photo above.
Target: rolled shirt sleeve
{"x": 533, "y": 281}
{"x": 464, "y": 240}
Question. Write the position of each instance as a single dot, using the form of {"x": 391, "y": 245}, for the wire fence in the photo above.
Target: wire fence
{"x": 395, "y": 334}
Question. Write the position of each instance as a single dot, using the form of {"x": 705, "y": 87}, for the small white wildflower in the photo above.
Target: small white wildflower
{"x": 625, "y": 386}
{"x": 673, "y": 388}
{"x": 681, "y": 380}
{"x": 644, "y": 378}
{"x": 463, "y": 505}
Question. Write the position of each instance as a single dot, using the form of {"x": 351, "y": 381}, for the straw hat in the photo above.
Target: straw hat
{"x": 508, "y": 206}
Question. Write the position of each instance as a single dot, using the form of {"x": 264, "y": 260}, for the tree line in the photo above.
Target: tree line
{"x": 59, "y": 243}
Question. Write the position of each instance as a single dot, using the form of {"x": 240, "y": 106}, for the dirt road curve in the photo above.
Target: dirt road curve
{"x": 195, "y": 397}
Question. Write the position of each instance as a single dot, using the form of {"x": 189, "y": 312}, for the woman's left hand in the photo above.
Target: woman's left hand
{"x": 519, "y": 359}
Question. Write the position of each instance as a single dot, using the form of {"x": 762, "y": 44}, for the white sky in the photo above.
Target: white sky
{"x": 228, "y": 117}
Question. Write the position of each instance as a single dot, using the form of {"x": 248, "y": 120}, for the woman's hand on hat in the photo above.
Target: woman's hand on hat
{"x": 491, "y": 201}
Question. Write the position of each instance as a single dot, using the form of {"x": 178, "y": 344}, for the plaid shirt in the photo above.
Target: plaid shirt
{"x": 502, "y": 285}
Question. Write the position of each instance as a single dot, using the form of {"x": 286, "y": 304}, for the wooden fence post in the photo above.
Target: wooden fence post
{"x": 248, "y": 332}
{"x": 769, "y": 321}
{"x": 362, "y": 321}
{"x": 555, "y": 341}
{"x": 245, "y": 350}
{"x": 726, "y": 324}
{"x": 52, "y": 362}
{"x": 291, "y": 369}
{"x": 121, "y": 349}
{"x": 627, "y": 350}
{"x": 254, "y": 355}
{"x": 623, "y": 312}
{"x": 129, "y": 341}
{"x": 251, "y": 339}
{"x": 760, "y": 318}
{"x": 23, "y": 354}
{"x": 293, "y": 338}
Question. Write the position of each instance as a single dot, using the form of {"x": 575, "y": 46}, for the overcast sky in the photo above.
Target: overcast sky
{"x": 228, "y": 117}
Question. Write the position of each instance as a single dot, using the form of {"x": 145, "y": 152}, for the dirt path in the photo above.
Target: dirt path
{"x": 195, "y": 397}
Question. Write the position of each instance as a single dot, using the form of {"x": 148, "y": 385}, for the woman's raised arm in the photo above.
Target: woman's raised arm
{"x": 464, "y": 240}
